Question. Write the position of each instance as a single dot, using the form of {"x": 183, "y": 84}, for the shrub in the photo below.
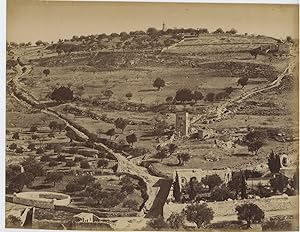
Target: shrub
{"x": 13, "y": 146}
{"x": 84, "y": 164}
{"x": 53, "y": 163}
{"x": 70, "y": 163}
{"x": 19, "y": 150}
{"x": 73, "y": 187}
{"x": 40, "y": 150}
{"x": 33, "y": 129}
{"x": 62, "y": 94}
{"x": 278, "y": 223}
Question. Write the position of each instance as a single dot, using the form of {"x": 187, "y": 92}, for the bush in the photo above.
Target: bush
{"x": 84, "y": 164}
{"x": 70, "y": 163}
{"x": 40, "y": 150}
{"x": 45, "y": 158}
{"x": 13, "y": 146}
{"x": 62, "y": 94}
{"x": 53, "y": 163}
{"x": 278, "y": 223}
{"x": 33, "y": 129}
{"x": 74, "y": 187}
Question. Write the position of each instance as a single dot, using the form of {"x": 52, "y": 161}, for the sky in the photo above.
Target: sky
{"x": 32, "y": 20}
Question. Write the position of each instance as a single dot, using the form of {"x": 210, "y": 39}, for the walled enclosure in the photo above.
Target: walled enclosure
{"x": 42, "y": 199}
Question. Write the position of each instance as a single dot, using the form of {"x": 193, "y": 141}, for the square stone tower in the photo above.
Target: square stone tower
{"x": 182, "y": 123}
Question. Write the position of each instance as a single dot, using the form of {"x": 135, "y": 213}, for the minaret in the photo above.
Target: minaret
{"x": 163, "y": 26}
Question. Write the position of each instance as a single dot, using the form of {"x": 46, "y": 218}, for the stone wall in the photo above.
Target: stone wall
{"x": 227, "y": 208}
{"x": 45, "y": 203}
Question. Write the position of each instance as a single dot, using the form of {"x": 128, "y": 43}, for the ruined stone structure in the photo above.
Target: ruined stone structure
{"x": 184, "y": 175}
{"x": 182, "y": 124}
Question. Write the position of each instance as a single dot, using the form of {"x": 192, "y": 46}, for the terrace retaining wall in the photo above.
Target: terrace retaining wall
{"x": 227, "y": 208}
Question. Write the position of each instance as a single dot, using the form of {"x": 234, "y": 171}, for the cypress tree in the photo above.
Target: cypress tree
{"x": 243, "y": 187}
{"x": 176, "y": 189}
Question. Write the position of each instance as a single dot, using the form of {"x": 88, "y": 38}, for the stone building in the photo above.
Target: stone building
{"x": 182, "y": 123}
{"x": 184, "y": 175}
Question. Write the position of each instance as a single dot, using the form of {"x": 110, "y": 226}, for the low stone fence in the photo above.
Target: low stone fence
{"x": 99, "y": 213}
{"x": 227, "y": 208}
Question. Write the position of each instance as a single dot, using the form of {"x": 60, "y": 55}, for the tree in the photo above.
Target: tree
{"x": 71, "y": 135}
{"x": 128, "y": 95}
{"x": 159, "y": 127}
{"x": 254, "y": 147}
{"x": 159, "y": 83}
{"x": 229, "y": 90}
{"x": 254, "y": 52}
{"x": 289, "y": 39}
{"x": 131, "y": 139}
{"x": 211, "y": 181}
{"x": 197, "y": 96}
{"x": 58, "y": 149}
{"x": 192, "y": 188}
{"x": 220, "y": 193}
{"x": 157, "y": 223}
{"x": 53, "y": 163}
{"x": 46, "y": 72}
{"x": 33, "y": 167}
{"x": 24, "y": 69}
{"x": 108, "y": 93}
{"x": 232, "y": 31}
{"x": 254, "y": 136}
{"x": 13, "y": 146}
{"x": 243, "y": 81}
{"x": 238, "y": 184}
{"x": 70, "y": 163}
{"x": 221, "y": 96}
{"x": 120, "y": 123}
{"x": 129, "y": 188}
{"x": 19, "y": 150}
{"x": 53, "y": 125}
{"x": 176, "y": 189}
{"x": 54, "y": 177}
{"x": 218, "y": 31}
{"x": 162, "y": 154}
{"x": 200, "y": 214}
{"x": 102, "y": 163}
{"x": 33, "y": 129}
{"x": 84, "y": 164}
{"x": 16, "y": 135}
{"x": 39, "y": 42}
{"x": 151, "y": 31}
{"x": 183, "y": 157}
{"x": 176, "y": 220}
{"x": 184, "y": 95}
{"x": 210, "y": 97}
{"x": 111, "y": 132}
{"x": 274, "y": 162}
{"x": 279, "y": 183}
{"x": 250, "y": 212}
{"x": 62, "y": 94}
{"x": 172, "y": 148}
{"x": 169, "y": 100}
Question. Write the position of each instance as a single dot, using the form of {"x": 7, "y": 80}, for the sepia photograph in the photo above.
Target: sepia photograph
{"x": 151, "y": 116}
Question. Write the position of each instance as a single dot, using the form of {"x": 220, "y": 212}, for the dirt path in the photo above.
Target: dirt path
{"x": 219, "y": 112}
